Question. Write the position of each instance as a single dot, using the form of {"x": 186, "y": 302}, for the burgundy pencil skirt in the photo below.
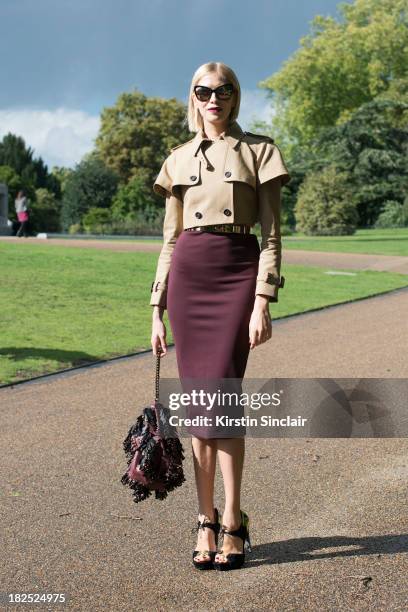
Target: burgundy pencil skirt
{"x": 210, "y": 298}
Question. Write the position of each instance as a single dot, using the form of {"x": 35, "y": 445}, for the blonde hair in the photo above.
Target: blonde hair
{"x": 194, "y": 118}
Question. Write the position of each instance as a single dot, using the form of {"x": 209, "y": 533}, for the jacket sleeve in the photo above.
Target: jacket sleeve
{"x": 172, "y": 227}
{"x": 272, "y": 174}
{"x": 164, "y": 183}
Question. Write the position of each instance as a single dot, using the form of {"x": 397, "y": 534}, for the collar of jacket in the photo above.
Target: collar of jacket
{"x": 233, "y": 134}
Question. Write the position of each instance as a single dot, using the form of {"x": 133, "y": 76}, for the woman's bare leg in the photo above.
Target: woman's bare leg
{"x": 231, "y": 453}
{"x": 204, "y": 459}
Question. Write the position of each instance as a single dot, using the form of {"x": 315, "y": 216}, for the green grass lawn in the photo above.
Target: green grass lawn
{"x": 371, "y": 241}
{"x": 64, "y": 306}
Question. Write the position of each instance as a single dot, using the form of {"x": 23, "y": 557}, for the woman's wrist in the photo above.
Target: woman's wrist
{"x": 158, "y": 313}
{"x": 262, "y": 301}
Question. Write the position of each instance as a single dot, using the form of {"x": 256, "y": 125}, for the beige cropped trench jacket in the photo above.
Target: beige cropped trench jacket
{"x": 236, "y": 179}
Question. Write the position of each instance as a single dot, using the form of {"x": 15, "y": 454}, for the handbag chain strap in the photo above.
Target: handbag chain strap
{"x": 156, "y": 395}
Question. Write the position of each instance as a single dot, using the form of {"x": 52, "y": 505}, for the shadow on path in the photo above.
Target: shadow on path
{"x": 308, "y": 549}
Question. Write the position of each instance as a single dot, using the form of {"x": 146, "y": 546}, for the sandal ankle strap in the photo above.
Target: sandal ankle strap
{"x": 203, "y": 524}
{"x": 241, "y": 532}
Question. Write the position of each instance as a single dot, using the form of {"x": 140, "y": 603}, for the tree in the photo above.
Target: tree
{"x": 14, "y": 183}
{"x": 324, "y": 206}
{"x": 46, "y": 212}
{"x": 61, "y": 175}
{"x": 137, "y": 133}
{"x": 96, "y": 220}
{"x": 373, "y": 151}
{"x": 13, "y": 153}
{"x": 91, "y": 184}
{"x": 9, "y": 177}
{"x": 133, "y": 199}
{"x": 371, "y": 147}
{"x": 32, "y": 171}
{"x": 394, "y": 214}
{"x": 339, "y": 67}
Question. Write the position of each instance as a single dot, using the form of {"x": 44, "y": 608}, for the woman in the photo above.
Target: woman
{"x": 215, "y": 281}
{"x": 21, "y": 204}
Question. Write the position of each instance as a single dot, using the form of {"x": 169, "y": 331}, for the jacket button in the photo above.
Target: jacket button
{"x": 193, "y": 178}
{"x": 227, "y": 212}
{"x": 198, "y": 215}
{"x": 228, "y": 174}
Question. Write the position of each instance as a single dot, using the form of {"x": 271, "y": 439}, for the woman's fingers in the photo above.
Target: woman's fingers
{"x": 254, "y": 339}
{"x": 260, "y": 336}
{"x": 158, "y": 338}
{"x": 163, "y": 346}
{"x": 159, "y": 346}
{"x": 260, "y": 330}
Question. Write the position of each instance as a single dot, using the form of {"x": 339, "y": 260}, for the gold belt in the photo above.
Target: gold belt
{"x": 226, "y": 228}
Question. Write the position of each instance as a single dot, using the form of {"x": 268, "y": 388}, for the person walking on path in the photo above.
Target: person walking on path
{"x": 216, "y": 282}
{"x": 22, "y": 211}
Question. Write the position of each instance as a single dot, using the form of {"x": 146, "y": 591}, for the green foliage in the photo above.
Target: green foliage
{"x": 75, "y": 228}
{"x": 136, "y": 223}
{"x": 9, "y": 177}
{"x": 137, "y": 133}
{"x": 371, "y": 147}
{"x": 90, "y": 185}
{"x": 339, "y": 66}
{"x": 62, "y": 175}
{"x": 96, "y": 219}
{"x": 46, "y": 212}
{"x": 286, "y": 230}
{"x": 101, "y": 221}
{"x": 33, "y": 172}
{"x": 14, "y": 153}
{"x": 133, "y": 198}
{"x": 394, "y": 214}
{"x": 324, "y": 206}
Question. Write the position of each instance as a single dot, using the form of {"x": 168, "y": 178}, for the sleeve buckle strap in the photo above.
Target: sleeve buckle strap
{"x": 273, "y": 280}
{"x": 155, "y": 286}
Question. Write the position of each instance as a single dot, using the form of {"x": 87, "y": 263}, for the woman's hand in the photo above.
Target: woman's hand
{"x": 158, "y": 338}
{"x": 260, "y": 325}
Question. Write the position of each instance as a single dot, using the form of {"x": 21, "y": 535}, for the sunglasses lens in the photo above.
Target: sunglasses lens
{"x": 225, "y": 92}
{"x": 203, "y": 93}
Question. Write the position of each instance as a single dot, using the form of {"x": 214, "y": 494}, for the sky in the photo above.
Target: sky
{"x": 63, "y": 61}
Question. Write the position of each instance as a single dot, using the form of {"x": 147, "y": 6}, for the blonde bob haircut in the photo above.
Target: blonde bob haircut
{"x": 194, "y": 118}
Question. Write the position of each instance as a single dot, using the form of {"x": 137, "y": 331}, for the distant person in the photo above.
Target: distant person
{"x": 22, "y": 210}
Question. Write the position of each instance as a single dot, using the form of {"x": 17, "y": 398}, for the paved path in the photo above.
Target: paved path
{"x": 388, "y": 263}
{"x": 329, "y": 516}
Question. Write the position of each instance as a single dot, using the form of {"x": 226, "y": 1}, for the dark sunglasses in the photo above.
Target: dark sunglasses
{"x": 223, "y": 92}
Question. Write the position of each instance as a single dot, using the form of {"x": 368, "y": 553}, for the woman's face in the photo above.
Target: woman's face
{"x": 222, "y": 108}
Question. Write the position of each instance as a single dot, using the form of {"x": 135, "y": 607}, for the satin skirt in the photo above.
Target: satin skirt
{"x": 210, "y": 298}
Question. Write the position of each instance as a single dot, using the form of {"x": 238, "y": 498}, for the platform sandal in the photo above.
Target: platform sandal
{"x": 235, "y": 560}
{"x": 207, "y": 563}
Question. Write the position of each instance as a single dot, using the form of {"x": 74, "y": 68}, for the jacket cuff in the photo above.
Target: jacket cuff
{"x": 158, "y": 295}
{"x": 270, "y": 286}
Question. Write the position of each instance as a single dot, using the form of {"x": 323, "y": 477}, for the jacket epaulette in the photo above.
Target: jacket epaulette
{"x": 182, "y": 144}
{"x": 261, "y": 136}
